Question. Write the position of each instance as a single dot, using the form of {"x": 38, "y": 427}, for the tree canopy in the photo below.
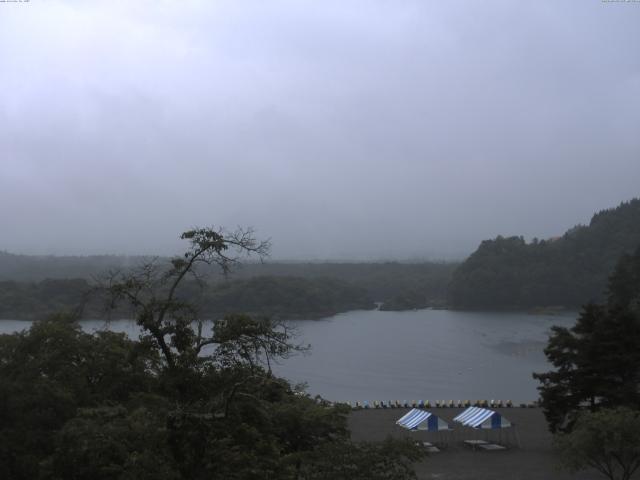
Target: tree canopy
{"x": 607, "y": 440}
{"x": 597, "y": 361}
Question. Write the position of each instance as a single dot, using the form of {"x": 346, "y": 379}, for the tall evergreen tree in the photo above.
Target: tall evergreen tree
{"x": 597, "y": 361}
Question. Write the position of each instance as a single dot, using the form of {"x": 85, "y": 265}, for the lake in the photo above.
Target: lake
{"x": 423, "y": 354}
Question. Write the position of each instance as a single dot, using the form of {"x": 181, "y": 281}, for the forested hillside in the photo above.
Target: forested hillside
{"x": 395, "y": 284}
{"x": 568, "y": 271}
{"x": 279, "y": 297}
{"x": 32, "y": 286}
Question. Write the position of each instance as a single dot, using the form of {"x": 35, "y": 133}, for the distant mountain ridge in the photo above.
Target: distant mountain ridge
{"x": 35, "y": 268}
{"x": 567, "y": 271}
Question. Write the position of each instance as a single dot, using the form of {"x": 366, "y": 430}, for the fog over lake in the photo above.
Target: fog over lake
{"x": 424, "y": 354}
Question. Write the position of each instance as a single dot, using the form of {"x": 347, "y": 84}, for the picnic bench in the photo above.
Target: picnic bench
{"x": 484, "y": 445}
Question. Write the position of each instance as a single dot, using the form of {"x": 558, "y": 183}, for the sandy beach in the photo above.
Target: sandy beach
{"x": 533, "y": 460}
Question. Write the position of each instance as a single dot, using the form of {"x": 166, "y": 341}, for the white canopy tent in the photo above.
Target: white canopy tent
{"x": 476, "y": 417}
{"x": 487, "y": 420}
{"x": 422, "y": 420}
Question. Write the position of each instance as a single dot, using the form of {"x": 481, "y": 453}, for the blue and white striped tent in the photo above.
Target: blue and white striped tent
{"x": 422, "y": 420}
{"x": 476, "y": 417}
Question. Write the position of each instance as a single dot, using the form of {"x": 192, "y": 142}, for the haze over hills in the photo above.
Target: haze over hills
{"x": 504, "y": 273}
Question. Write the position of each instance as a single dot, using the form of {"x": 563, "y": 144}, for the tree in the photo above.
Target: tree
{"x": 113, "y": 442}
{"x": 607, "y": 440}
{"x": 188, "y": 400}
{"x": 597, "y": 361}
{"x": 153, "y": 291}
{"x": 51, "y": 372}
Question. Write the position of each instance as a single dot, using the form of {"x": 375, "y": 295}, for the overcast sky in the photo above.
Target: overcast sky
{"x": 340, "y": 129}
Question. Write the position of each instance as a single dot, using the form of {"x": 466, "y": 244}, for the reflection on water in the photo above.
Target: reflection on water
{"x": 425, "y": 354}
{"x": 522, "y": 349}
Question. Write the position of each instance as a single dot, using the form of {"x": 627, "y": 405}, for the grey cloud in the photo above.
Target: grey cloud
{"x": 340, "y": 129}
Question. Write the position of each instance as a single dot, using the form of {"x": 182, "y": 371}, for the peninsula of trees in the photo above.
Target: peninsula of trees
{"x": 31, "y": 287}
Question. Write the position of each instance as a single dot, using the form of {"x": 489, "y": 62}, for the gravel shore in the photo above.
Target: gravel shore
{"x": 533, "y": 460}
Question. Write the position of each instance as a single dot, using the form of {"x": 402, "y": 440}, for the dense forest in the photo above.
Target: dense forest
{"x": 279, "y": 297}
{"x": 285, "y": 297}
{"x": 32, "y": 286}
{"x": 567, "y": 271}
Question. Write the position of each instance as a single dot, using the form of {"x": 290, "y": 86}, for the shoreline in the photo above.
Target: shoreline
{"x": 330, "y": 314}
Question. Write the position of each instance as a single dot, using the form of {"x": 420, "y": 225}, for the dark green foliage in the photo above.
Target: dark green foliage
{"x": 607, "y": 440}
{"x": 568, "y": 271}
{"x": 597, "y": 361}
{"x": 282, "y": 297}
{"x": 81, "y": 406}
{"x": 285, "y": 297}
{"x": 26, "y": 301}
{"x": 189, "y": 400}
{"x": 388, "y": 460}
{"x": 274, "y": 296}
{"x": 50, "y": 372}
{"x": 112, "y": 443}
{"x": 424, "y": 283}
{"x": 624, "y": 284}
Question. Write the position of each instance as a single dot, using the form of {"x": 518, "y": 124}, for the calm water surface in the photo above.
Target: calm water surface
{"x": 424, "y": 354}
